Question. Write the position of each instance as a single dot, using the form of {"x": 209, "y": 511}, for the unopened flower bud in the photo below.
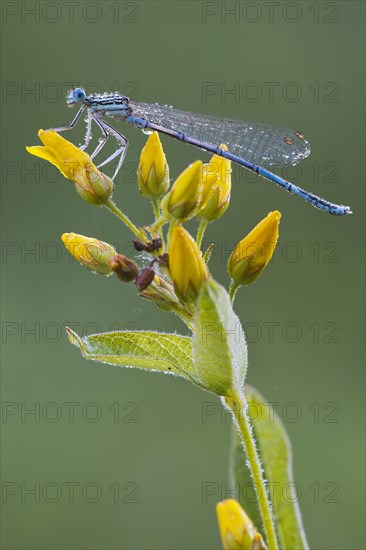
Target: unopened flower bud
{"x": 216, "y": 188}
{"x": 125, "y": 269}
{"x": 183, "y": 199}
{"x": 144, "y": 278}
{"x": 237, "y": 530}
{"x": 253, "y": 253}
{"x": 187, "y": 268}
{"x": 93, "y": 186}
{"x": 153, "y": 170}
{"x": 91, "y": 253}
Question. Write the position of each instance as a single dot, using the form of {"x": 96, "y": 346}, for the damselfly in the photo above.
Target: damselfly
{"x": 249, "y": 143}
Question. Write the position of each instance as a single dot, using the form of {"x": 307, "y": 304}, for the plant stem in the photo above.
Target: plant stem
{"x": 156, "y": 207}
{"x": 201, "y": 231}
{"x": 158, "y": 224}
{"x": 237, "y": 404}
{"x": 126, "y": 220}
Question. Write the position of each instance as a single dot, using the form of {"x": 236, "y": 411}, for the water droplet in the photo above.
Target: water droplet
{"x": 147, "y": 131}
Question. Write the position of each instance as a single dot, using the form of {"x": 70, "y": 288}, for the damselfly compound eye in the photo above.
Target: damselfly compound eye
{"x": 75, "y": 96}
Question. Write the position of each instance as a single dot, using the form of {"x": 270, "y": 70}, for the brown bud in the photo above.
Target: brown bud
{"x": 139, "y": 246}
{"x": 150, "y": 246}
{"x": 155, "y": 244}
{"x": 125, "y": 269}
{"x": 164, "y": 259}
{"x": 144, "y": 278}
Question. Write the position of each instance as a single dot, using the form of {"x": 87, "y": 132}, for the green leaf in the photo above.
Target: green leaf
{"x": 275, "y": 452}
{"x": 153, "y": 351}
{"x": 218, "y": 341}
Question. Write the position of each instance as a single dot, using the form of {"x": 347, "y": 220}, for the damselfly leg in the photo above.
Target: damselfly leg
{"x": 72, "y": 124}
{"x": 106, "y": 130}
{"x": 102, "y": 140}
{"x": 88, "y": 134}
{"x": 121, "y": 140}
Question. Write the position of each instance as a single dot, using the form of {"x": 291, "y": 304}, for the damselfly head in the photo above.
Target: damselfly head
{"x": 77, "y": 95}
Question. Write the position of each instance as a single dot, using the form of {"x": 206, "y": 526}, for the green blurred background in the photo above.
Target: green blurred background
{"x": 139, "y": 463}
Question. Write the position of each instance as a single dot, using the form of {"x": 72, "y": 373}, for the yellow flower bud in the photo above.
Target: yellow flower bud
{"x": 92, "y": 185}
{"x": 236, "y": 529}
{"x": 153, "y": 170}
{"x": 187, "y": 268}
{"x": 253, "y": 253}
{"x": 183, "y": 200}
{"x": 216, "y": 187}
{"x": 91, "y": 253}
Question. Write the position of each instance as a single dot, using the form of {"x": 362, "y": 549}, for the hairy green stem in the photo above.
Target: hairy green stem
{"x": 158, "y": 224}
{"x": 126, "y": 220}
{"x": 201, "y": 231}
{"x": 237, "y": 404}
{"x": 156, "y": 207}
